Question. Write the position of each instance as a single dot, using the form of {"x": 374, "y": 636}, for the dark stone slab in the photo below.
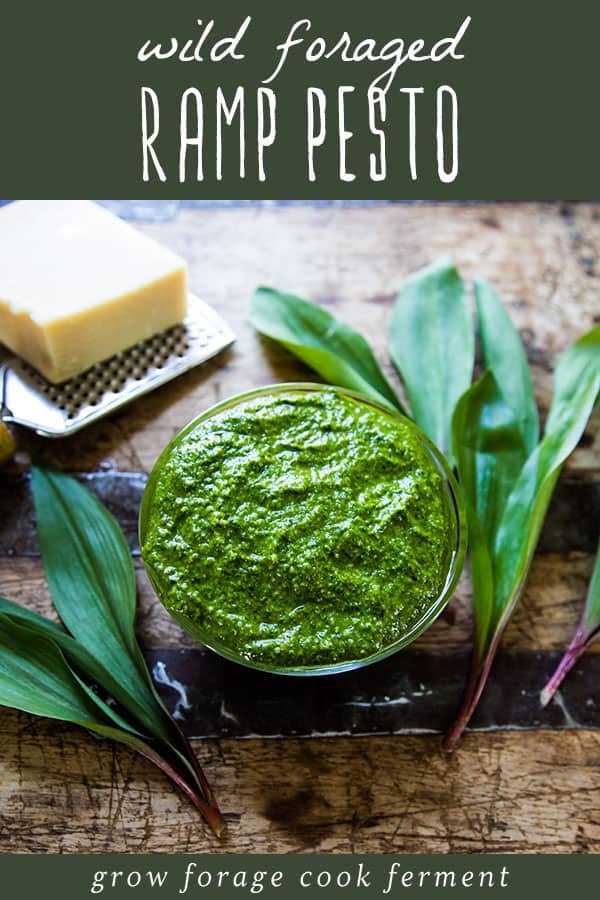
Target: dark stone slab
{"x": 410, "y": 693}
{"x": 572, "y": 523}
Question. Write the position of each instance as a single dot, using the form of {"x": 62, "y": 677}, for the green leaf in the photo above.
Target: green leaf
{"x": 489, "y": 451}
{"x": 83, "y": 549}
{"x": 76, "y": 654}
{"x": 79, "y": 659}
{"x": 92, "y": 583}
{"x": 576, "y": 387}
{"x": 334, "y": 350}
{"x": 504, "y": 354}
{"x": 36, "y": 678}
{"x": 482, "y": 579}
{"x": 580, "y": 363}
{"x": 511, "y": 545}
{"x": 433, "y": 347}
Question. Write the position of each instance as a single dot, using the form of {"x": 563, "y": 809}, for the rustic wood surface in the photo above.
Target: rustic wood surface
{"x": 60, "y": 790}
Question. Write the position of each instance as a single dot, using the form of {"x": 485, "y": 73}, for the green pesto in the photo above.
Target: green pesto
{"x": 300, "y": 528}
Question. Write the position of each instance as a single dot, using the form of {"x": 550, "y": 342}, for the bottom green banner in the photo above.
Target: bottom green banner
{"x": 299, "y": 876}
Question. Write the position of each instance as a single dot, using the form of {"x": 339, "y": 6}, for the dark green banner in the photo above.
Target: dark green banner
{"x": 301, "y": 876}
{"x": 435, "y": 99}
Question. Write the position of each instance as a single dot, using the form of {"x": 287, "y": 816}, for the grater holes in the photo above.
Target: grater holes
{"x": 154, "y": 360}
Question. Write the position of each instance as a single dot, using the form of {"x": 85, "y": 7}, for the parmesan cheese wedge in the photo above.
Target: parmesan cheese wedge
{"x": 77, "y": 285}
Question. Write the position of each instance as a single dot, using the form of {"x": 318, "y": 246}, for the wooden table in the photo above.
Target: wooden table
{"x": 503, "y": 790}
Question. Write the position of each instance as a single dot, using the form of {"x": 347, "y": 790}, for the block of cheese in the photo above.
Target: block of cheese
{"x": 77, "y": 284}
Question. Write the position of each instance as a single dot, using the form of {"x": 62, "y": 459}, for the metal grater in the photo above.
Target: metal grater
{"x": 57, "y": 410}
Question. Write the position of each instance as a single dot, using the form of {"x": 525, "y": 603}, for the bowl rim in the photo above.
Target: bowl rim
{"x": 455, "y": 504}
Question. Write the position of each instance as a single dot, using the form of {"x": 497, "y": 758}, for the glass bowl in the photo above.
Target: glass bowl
{"x": 457, "y": 537}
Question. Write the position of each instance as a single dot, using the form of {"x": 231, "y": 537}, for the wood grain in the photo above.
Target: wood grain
{"x": 61, "y": 790}
{"x": 508, "y": 792}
